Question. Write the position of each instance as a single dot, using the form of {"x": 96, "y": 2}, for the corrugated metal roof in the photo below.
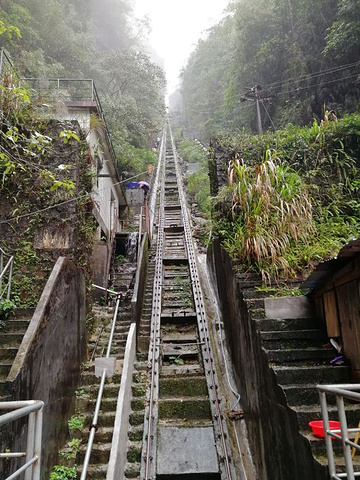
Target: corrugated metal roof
{"x": 325, "y": 269}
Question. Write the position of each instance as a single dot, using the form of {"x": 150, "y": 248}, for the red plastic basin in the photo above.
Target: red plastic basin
{"x": 317, "y": 427}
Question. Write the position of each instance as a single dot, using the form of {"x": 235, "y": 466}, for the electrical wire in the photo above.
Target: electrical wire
{"x": 310, "y": 76}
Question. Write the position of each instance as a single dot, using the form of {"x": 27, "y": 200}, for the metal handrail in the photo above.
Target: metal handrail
{"x": 93, "y": 426}
{"x": 34, "y": 410}
{"x": 93, "y": 97}
{"x": 3, "y": 270}
{"x": 341, "y": 391}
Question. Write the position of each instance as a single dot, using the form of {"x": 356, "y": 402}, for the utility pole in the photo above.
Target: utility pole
{"x": 258, "y": 115}
{"x": 253, "y": 95}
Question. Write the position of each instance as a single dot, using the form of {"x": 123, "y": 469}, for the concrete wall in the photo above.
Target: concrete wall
{"x": 279, "y": 451}
{"x": 47, "y": 366}
{"x": 117, "y": 460}
{"x": 140, "y": 281}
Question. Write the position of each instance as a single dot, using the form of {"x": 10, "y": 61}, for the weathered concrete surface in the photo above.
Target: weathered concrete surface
{"x": 116, "y": 466}
{"x": 279, "y": 451}
{"x": 288, "y": 307}
{"x": 186, "y": 451}
{"x": 137, "y": 299}
{"x": 47, "y": 366}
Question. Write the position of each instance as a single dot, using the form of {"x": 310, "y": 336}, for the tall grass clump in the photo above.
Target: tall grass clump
{"x": 269, "y": 212}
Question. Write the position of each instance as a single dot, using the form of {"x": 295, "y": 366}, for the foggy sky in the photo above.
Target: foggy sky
{"x": 176, "y": 26}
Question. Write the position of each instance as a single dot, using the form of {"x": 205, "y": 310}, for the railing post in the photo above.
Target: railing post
{"x": 37, "y": 444}
{"x": 344, "y": 438}
{"x": 328, "y": 440}
{"x": 30, "y": 445}
{"x": 10, "y": 279}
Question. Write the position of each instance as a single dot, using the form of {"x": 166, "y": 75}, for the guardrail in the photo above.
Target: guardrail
{"x": 72, "y": 90}
{"x": 341, "y": 392}
{"x": 6, "y": 270}
{"x": 34, "y": 410}
{"x": 106, "y": 371}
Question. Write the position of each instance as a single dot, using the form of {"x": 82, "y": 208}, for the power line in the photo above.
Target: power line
{"x": 310, "y": 76}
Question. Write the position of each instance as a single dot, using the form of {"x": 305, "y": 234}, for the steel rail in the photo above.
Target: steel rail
{"x": 207, "y": 349}
{"x": 154, "y": 350}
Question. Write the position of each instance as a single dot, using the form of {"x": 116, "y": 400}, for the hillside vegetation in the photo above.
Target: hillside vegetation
{"x": 293, "y": 196}
{"x": 302, "y": 57}
{"x": 103, "y": 41}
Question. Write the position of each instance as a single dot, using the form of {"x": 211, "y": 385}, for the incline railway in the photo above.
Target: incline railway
{"x": 185, "y": 431}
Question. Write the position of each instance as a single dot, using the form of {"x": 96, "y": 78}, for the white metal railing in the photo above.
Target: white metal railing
{"x": 106, "y": 371}
{"x": 6, "y": 269}
{"x": 34, "y": 410}
{"x": 341, "y": 392}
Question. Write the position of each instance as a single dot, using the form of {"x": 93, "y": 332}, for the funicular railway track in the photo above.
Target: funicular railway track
{"x": 185, "y": 430}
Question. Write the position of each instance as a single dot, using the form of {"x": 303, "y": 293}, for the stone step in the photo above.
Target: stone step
{"x": 318, "y": 446}
{"x": 307, "y": 413}
{"x": 5, "y": 367}
{"x": 319, "y": 355}
{"x": 267, "y": 324}
{"x": 95, "y": 472}
{"x": 136, "y": 419}
{"x": 22, "y": 314}
{"x": 103, "y": 435}
{"x": 291, "y": 339}
{"x": 135, "y": 433}
{"x": 108, "y": 404}
{"x": 184, "y": 408}
{"x": 194, "y": 386}
{"x": 339, "y": 462}
{"x": 4, "y": 388}
{"x": 15, "y": 325}
{"x": 8, "y": 353}
{"x": 100, "y": 453}
{"x": 132, "y": 470}
{"x": 134, "y": 452}
{"x": 302, "y": 394}
{"x": 255, "y": 303}
{"x": 106, "y": 419}
{"x": 89, "y": 378}
{"x": 11, "y": 339}
{"x": 313, "y": 373}
{"x": 89, "y": 392}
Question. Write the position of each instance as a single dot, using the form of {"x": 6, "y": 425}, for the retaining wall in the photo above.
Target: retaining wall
{"x": 140, "y": 281}
{"x": 279, "y": 451}
{"x": 47, "y": 366}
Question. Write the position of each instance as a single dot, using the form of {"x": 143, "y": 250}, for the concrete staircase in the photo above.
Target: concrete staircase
{"x": 299, "y": 354}
{"x": 145, "y": 322}
{"x": 12, "y": 331}
{"x": 136, "y": 420}
{"x": 88, "y": 390}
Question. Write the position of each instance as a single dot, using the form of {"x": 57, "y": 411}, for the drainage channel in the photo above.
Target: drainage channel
{"x": 185, "y": 430}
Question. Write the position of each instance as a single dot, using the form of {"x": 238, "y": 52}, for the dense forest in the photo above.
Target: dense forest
{"x": 101, "y": 41}
{"x": 295, "y": 59}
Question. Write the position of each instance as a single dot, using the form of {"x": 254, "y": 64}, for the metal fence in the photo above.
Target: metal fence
{"x": 70, "y": 90}
{"x": 33, "y": 409}
{"x": 349, "y": 437}
{"x": 6, "y": 270}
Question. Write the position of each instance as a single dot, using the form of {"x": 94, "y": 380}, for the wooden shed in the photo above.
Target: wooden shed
{"x": 335, "y": 286}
